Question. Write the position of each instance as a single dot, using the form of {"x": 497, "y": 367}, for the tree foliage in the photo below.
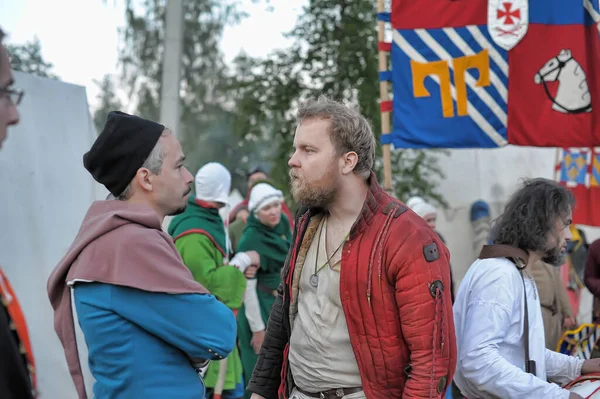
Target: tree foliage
{"x": 206, "y": 128}
{"x": 334, "y": 52}
{"x": 108, "y": 101}
{"x": 28, "y": 58}
{"x": 244, "y": 113}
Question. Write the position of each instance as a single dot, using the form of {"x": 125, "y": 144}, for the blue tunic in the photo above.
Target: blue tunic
{"x": 140, "y": 342}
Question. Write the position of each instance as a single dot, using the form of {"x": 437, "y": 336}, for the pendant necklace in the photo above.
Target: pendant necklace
{"x": 314, "y": 278}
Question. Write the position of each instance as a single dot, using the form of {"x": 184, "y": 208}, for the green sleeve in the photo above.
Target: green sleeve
{"x": 205, "y": 262}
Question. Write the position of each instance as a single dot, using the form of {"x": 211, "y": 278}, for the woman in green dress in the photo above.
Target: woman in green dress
{"x": 267, "y": 232}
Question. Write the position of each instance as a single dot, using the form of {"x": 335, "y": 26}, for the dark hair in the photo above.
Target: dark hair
{"x": 256, "y": 169}
{"x": 531, "y": 213}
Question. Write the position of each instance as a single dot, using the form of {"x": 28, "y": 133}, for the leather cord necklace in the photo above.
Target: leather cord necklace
{"x": 314, "y": 278}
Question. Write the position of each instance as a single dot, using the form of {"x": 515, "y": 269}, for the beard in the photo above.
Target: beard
{"x": 320, "y": 193}
{"x": 555, "y": 257}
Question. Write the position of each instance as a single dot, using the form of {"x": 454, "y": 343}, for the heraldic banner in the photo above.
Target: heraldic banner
{"x": 483, "y": 74}
{"x": 579, "y": 170}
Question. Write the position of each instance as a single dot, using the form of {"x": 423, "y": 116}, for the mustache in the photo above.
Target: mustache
{"x": 189, "y": 190}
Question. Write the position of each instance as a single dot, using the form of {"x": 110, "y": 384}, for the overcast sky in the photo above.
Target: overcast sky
{"x": 80, "y": 36}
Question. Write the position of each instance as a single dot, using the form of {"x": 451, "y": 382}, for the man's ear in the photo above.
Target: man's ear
{"x": 143, "y": 178}
{"x": 349, "y": 159}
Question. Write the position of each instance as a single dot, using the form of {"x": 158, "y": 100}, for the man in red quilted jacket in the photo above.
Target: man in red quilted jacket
{"x": 364, "y": 309}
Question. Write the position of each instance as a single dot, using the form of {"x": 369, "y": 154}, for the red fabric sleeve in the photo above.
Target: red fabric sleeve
{"x": 427, "y": 323}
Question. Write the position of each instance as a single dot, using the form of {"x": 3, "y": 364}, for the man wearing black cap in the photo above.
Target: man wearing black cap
{"x": 17, "y": 378}
{"x": 128, "y": 159}
{"x": 148, "y": 325}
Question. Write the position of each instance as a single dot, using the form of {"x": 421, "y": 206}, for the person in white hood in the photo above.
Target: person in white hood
{"x": 423, "y": 209}
{"x": 201, "y": 238}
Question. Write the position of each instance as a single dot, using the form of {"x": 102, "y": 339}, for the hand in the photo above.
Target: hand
{"x": 574, "y": 396}
{"x": 590, "y": 366}
{"x": 569, "y": 323}
{"x": 254, "y": 257}
{"x": 257, "y": 340}
{"x": 250, "y": 272}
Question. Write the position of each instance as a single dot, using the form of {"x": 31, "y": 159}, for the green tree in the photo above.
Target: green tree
{"x": 108, "y": 101}
{"x": 206, "y": 130}
{"x": 334, "y": 52}
{"x": 28, "y": 58}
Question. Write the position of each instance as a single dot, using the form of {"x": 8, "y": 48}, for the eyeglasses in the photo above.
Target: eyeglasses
{"x": 14, "y": 95}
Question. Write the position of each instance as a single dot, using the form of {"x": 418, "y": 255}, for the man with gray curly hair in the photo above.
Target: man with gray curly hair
{"x": 364, "y": 309}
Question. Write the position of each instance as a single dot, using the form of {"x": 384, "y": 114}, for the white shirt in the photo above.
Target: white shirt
{"x": 321, "y": 355}
{"x": 489, "y": 314}
{"x": 242, "y": 261}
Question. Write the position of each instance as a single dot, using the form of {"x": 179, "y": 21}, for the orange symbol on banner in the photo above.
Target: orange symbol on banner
{"x": 441, "y": 69}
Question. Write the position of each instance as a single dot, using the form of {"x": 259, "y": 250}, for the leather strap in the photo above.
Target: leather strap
{"x": 520, "y": 258}
{"x": 332, "y": 393}
{"x": 526, "y": 330}
{"x": 505, "y": 251}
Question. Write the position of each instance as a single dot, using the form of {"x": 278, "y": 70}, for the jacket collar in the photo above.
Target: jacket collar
{"x": 376, "y": 199}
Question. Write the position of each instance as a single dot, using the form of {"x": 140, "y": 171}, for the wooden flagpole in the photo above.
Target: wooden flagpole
{"x": 384, "y": 96}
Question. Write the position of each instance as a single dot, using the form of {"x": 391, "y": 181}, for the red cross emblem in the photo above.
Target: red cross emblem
{"x": 508, "y": 13}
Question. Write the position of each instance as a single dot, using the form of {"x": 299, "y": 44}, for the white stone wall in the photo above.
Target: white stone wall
{"x": 45, "y": 194}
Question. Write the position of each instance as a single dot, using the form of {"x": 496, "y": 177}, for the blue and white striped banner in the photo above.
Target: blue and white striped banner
{"x": 450, "y": 88}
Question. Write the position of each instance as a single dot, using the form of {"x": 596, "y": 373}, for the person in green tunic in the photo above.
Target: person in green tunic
{"x": 268, "y": 232}
{"x": 201, "y": 239}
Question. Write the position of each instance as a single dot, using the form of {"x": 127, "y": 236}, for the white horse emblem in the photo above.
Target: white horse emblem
{"x": 573, "y": 95}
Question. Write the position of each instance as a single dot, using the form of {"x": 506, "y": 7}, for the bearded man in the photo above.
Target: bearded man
{"x": 499, "y": 325}
{"x": 364, "y": 309}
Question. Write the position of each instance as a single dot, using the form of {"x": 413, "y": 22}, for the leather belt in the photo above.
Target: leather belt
{"x": 334, "y": 393}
